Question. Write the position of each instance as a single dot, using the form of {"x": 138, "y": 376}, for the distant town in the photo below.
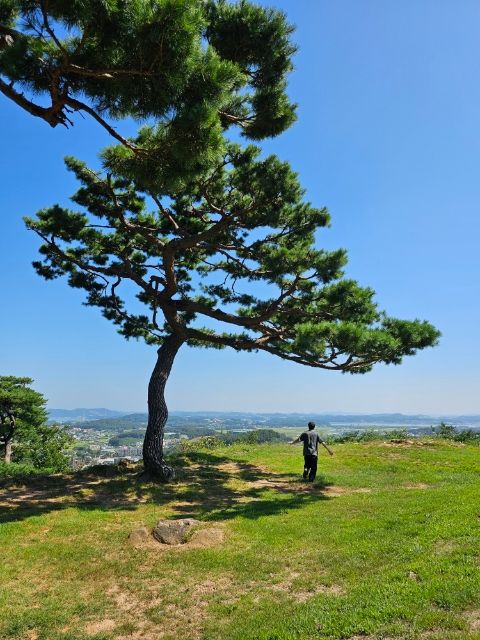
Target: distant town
{"x": 104, "y": 436}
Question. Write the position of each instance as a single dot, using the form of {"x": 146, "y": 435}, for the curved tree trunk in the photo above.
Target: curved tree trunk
{"x": 157, "y": 410}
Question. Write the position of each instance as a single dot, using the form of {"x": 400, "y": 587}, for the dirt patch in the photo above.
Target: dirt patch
{"x": 406, "y": 443}
{"x": 99, "y": 627}
{"x": 445, "y": 546}
{"x": 209, "y": 537}
{"x": 416, "y": 485}
{"x": 287, "y": 585}
{"x": 473, "y": 620}
{"x": 370, "y": 637}
{"x": 436, "y": 634}
{"x": 190, "y": 611}
{"x": 201, "y": 537}
{"x": 232, "y": 467}
{"x": 335, "y": 492}
{"x": 283, "y": 486}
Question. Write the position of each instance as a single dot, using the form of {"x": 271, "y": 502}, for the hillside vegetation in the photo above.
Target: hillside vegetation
{"x": 384, "y": 545}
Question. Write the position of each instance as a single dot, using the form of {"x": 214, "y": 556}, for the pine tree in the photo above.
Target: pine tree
{"x": 22, "y": 412}
{"x": 227, "y": 259}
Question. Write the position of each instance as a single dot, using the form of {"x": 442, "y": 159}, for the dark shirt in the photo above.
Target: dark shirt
{"x": 310, "y": 441}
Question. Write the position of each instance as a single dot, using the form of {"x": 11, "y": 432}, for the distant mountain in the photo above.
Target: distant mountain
{"x": 82, "y": 415}
{"x": 105, "y": 419}
{"x": 121, "y": 423}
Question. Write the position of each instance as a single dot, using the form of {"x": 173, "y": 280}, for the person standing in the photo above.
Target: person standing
{"x": 310, "y": 440}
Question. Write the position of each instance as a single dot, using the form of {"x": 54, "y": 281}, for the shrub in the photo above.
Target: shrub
{"x": 21, "y": 471}
{"x": 449, "y": 432}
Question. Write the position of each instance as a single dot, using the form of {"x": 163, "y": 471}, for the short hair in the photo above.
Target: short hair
{"x": 311, "y": 425}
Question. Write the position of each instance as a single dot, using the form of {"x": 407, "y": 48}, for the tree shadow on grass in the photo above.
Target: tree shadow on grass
{"x": 208, "y": 487}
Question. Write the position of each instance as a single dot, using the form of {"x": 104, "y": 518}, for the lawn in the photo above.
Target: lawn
{"x": 384, "y": 545}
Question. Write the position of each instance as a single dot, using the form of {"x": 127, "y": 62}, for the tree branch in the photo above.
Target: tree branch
{"x": 77, "y": 105}
{"x": 52, "y": 117}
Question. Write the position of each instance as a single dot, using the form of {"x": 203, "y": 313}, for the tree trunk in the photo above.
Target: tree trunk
{"x": 157, "y": 410}
{"x": 8, "y": 452}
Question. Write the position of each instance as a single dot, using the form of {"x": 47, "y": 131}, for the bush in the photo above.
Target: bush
{"x": 44, "y": 448}
{"x": 449, "y": 432}
{"x": 198, "y": 444}
{"x": 356, "y": 436}
{"x": 368, "y": 435}
{"x": 257, "y": 436}
{"x": 21, "y": 471}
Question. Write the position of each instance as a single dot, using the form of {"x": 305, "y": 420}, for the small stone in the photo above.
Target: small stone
{"x": 413, "y": 576}
{"x": 174, "y": 531}
{"x": 139, "y": 536}
{"x": 126, "y": 466}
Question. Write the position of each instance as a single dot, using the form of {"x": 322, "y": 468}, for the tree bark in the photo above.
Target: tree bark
{"x": 153, "y": 459}
{"x": 8, "y": 452}
{"x": 8, "y": 435}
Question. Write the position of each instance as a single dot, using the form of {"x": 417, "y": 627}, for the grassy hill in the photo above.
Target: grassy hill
{"x": 385, "y": 545}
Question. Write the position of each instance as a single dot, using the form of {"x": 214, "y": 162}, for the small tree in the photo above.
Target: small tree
{"x": 45, "y": 447}
{"x": 22, "y": 412}
{"x": 225, "y": 260}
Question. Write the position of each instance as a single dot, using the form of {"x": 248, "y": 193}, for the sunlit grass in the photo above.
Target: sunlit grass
{"x": 385, "y": 545}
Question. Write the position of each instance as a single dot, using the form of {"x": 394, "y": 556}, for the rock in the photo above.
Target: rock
{"x": 126, "y": 466}
{"x": 139, "y": 536}
{"x": 174, "y": 531}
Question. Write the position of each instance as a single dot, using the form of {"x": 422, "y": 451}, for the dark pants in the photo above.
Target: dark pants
{"x": 310, "y": 468}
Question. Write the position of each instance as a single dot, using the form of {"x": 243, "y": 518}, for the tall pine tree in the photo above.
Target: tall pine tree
{"x": 225, "y": 260}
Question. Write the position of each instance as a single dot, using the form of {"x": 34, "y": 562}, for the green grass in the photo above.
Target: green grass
{"x": 384, "y": 545}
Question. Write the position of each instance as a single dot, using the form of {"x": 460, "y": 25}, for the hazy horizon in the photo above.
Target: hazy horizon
{"x": 245, "y": 411}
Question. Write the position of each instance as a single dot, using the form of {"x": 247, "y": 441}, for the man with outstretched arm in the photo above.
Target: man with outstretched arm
{"x": 310, "y": 440}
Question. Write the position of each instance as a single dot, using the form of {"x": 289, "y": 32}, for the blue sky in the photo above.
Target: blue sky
{"x": 388, "y": 138}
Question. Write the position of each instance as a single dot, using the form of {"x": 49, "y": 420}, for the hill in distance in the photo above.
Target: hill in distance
{"x": 111, "y": 420}
{"x": 82, "y": 414}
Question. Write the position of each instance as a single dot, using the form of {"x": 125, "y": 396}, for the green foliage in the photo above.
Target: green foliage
{"x": 22, "y": 410}
{"x": 126, "y": 437}
{"x": 256, "y": 436}
{"x": 258, "y": 41}
{"x": 200, "y": 444}
{"x": 368, "y": 435}
{"x": 45, "y": 447}
{"x": 210, "y": 442}
{"x": 190, "y": 68}
{"x": 20, "y": 471}
{"x": 23, "y": 426}
{"x": 235, "y": 248}
{"x": 449, "y": 432}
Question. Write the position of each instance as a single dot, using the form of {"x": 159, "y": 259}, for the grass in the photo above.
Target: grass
{"x": 385, "y": 545}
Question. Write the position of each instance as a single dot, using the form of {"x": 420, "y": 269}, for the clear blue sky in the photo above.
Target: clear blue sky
{"x": 388, "y": 138}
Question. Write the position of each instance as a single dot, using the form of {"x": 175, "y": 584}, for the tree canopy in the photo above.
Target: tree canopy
{"x": 228, "y": 260}
{"x": 23, "y": 423}
{"x": 22, "y": 409}
{"x": 190, "y": 69}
